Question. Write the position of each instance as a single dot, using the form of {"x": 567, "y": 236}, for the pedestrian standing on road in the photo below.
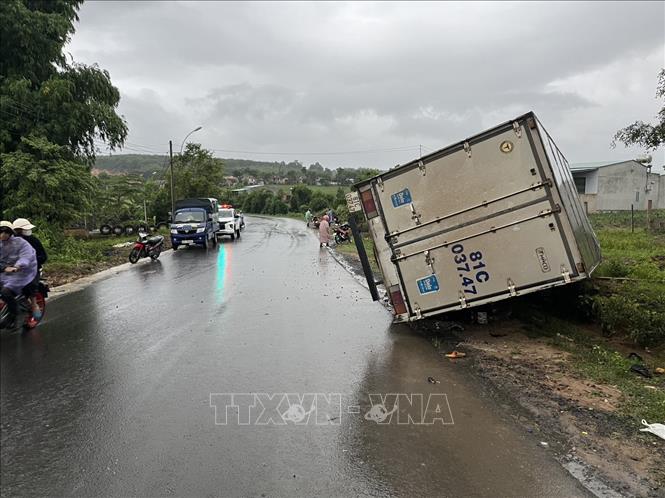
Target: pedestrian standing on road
{"x": 308, "y": 217}
{"x": 324, "y": 231}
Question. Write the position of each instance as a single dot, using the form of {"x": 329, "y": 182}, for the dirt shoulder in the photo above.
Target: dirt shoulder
{"x": 593, "y": 426}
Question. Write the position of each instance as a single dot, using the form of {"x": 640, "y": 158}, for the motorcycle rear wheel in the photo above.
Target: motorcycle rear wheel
{"x": 134, "y": 255}
{"x": 154, "y": 255}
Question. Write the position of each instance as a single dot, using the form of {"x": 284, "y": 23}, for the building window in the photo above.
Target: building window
{"x": 637, "y": 196}
{"x": 580, "y": 183}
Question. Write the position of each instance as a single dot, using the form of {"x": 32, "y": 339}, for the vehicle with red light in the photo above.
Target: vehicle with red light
{"x": 491, "y": 217}
{"x": 229, "y": 222}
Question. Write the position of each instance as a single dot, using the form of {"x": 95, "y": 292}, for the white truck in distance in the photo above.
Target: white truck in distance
{"x": 229, "y": 222}
{"x": 493, "y": 216}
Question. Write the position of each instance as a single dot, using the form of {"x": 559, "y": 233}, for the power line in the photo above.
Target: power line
{"x": 319, "y": 153}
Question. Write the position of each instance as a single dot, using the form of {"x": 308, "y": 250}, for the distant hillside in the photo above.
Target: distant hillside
{"x": 132, "y": 163}
{"x": 144, "y": 164}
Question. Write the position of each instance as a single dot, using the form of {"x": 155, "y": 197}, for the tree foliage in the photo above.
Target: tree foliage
{"x": 44, "y": 184}
{"x": 646, "y": 135}
{"x": 196, "y": 173}
{"x": 50, "y": 109}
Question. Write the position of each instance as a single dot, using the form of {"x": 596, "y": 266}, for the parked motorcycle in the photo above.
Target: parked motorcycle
{"x": 146, "y": 247}
{"x": 342, "y": 233}
{"x": 25, "y": 316}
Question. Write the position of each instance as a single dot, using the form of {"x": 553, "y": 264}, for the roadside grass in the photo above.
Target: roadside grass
{"x": 70, "y": 258}
{"x": 349, "y": 249}
{"x": 596, "y": 359}
{"x": 629, "y": 296}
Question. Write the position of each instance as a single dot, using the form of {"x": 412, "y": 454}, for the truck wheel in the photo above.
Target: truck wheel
{"x": 105, "y": 229}
{"x": 117, "y": 230}
{"x": 129, "y": 229}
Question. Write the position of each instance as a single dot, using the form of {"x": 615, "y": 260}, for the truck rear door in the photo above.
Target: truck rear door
{"x": 479, "y": 221}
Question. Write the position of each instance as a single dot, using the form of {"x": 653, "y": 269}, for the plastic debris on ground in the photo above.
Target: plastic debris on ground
{"x": 657, "y": 429}
{"x": 456, "y": 354}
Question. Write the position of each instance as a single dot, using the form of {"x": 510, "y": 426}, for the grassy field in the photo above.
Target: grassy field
{"x": 630, "y": 282}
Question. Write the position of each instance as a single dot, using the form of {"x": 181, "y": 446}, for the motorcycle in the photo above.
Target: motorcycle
{"x": 342, "y": 233}
{"x": 24, "y": 307}
{"x": 146, "y": 247}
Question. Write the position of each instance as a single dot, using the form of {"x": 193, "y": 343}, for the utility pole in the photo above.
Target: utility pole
{"x": 172, "y": 199}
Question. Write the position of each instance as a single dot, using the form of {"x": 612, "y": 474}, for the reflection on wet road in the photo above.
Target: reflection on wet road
{"x": 111, "y": 395}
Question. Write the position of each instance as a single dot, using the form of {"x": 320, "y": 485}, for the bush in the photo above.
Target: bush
{"x": 638, "y": 310}
{"x": 279, "y": 207}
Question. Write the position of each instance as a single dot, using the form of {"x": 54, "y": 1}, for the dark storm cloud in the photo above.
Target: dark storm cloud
{"x": 341, "y": 76}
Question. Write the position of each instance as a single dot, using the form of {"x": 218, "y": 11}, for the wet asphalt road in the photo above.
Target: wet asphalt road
{"x": 111, "y": 395}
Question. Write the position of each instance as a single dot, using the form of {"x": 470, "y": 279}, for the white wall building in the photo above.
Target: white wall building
{"x": 616, "y": 186}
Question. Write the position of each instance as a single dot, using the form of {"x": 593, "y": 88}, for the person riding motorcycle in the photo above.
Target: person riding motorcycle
{"x": 18, "y": 267}
{"x": 23, "y": 228}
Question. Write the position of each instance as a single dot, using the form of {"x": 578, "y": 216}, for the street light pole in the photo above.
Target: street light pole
{"x": 183, "y": 142}
{"x": 172, "y": 200}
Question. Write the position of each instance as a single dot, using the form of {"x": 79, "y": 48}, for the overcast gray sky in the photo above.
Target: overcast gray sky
{"x": 365, "y": 84}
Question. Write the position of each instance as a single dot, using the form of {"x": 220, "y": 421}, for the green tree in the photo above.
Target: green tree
{"x": 196, "y": 173}
{"x": 51, "y": 110}
{"x": 119, "y": 198}
{"x": 321, "y": 201}
{"x": 646, "y": 135}
{"x": 44, "y": 184}
{"x": 299, "y": 195}
{"x": 365, "y": 173}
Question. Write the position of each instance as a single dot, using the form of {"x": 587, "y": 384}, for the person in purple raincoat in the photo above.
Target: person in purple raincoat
{"x": 18, "y": 266}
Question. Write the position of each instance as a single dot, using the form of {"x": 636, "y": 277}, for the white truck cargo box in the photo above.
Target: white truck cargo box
{"x": 488, "y": 218}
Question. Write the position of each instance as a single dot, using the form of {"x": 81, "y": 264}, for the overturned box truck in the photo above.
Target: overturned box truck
{"x": 485, "y": 219}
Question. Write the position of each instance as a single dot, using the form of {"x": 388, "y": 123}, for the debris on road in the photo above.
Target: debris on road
{"x": 432, "y": 380}
{"x": 122, "y": 244}
{"x": 456, "y": 354}
{"x": 660, "y": 371}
